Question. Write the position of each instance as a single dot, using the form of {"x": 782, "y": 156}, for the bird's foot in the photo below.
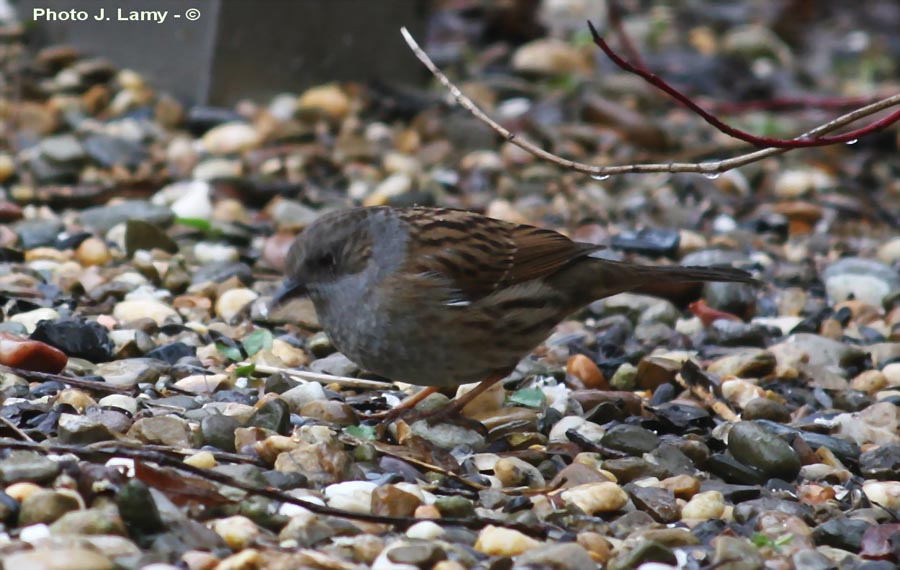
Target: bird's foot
{"x": 448, "y": 415}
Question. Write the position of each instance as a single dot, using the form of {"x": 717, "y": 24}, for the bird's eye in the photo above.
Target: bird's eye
{"x": 325, "y": 261}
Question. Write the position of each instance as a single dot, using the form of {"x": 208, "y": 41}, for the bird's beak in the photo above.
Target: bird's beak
{"x": 288, "y": 290}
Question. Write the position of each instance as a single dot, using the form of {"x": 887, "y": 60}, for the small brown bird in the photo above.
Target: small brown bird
{"x": 440, "y": 297}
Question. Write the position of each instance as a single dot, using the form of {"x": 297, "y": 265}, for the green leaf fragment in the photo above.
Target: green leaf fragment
{"x": 245, "y": 371}
{"x": 257, "y": 340}
{"x": 528, "y": 397}
{"x": 201, "y": 224}
{"x": 230, "y": 352}
{"x": 361, "y": 432}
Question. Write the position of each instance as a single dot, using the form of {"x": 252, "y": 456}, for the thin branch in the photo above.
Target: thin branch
{"x": 791, "y": 103}
{"x": 97, "y": 454}
{"x": 15, "y": 429}
{"x": 802, "y": 141}
{"x": 322, "y": 378}
{"x": 85, "y": 384}
{"x": 710, "y": 169}
{"x": 614, "y": 18}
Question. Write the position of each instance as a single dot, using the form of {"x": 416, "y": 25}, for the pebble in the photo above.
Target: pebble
{"x": 101, "y": 219}
{"x": 233, "y": 301}
{"x": 231, "y": 138}
{"x": 77, "y": 338}
{"x": 862, "y": 279}
{"x": 131, "y": 371}
{"x": 95, "y": 521}
{"x": 741, "y": 392}
{"x": 593, "y": 498}
{"x": 238, "y": 531}
{"x": 797, "y": 183}
{"x": 59, "y": 558}
{"x": 586, "y": 429}
{"x": 62, "y": 148}
{"x": 754, "y": 445}
{"x": 335, "y": 364}
{"x": 514, "y": 472}
{"x": 162, "y": 430}
{"x": 300, "y": 395}
{"x": 133, "y": 310}
{"x": 390, "y": 500}
{"x": 30, "y": 319}
{"x": 746, "y": 363}
{"x": 21, "y": 465}
{"x": 878, "y": 424}
{"x": 329, "y": 411}
{"x": 869, "y": 381}
{"x": 888, "y": 252}
{"x": 586, "y": 371}
{"x": 633, "y": 440}
{"x": 562, "y": 556}
{"x": 201, "y": 383}
{"x": 882, "y": 462}
{"x": 328, "y": 99}
{"x": 208, "y": 252}
{"x": 93, "y": 251}
{"x": 733, "y": 553}
{"x": 419, "y": 555}
{"x": 354, "y": 496}
{"x": 19, "y": 352}
{"x": 499, "y": 541}
{"x": 187, "y": 199}
{"x": 550, "y": 57}
{"x": 625, "y": 377}
{"x": 659, "y": 503}
{"x": 654, "y": 371}
{"x": 425, "y": 530}
{"x": 218, "y": 431}
{"x": 766, "y": 409}
{"x": 704, "y": 506}
{"x": 46, "y": 506}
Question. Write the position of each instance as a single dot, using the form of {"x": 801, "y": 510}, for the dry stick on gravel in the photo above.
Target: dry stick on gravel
{"x": 321, "y": 378}
{"x": 690, "y": 379}
{"x": 98, "y": 454}
{"x": 15, "y": 429}
{"x": 86, "y": 384}
{"x": 712, "y": 168}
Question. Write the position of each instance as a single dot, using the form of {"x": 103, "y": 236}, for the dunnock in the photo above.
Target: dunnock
{"x": 440, "y": 297}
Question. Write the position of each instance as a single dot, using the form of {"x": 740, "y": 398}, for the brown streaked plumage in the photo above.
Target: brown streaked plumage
{"x": 441, "y": 297}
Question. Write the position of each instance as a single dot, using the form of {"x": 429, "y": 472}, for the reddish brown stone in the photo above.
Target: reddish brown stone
{"x": 27, "y": 354}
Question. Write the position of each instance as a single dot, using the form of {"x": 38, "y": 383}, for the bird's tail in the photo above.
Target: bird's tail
{"x": 676, "y": 283}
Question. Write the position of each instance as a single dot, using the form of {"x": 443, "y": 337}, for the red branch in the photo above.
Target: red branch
{"x": 789, "y": 103}
{"x": 764, "y": 142}
{"x": 614, "y": 18}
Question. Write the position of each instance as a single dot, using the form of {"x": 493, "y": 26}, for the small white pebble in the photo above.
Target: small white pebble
{"x": 425, "y": 530}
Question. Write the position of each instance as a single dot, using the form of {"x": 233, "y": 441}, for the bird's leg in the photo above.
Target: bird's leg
{"x": 449, "y": 413}
{"x": 453, "y": 410}
{"x": 403, "y": 407}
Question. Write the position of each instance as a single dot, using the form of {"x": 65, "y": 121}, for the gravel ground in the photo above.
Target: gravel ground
{"x": 157, "y": 413}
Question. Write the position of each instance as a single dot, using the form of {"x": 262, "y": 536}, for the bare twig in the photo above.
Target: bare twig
{"x": 85, "y": 384}
{"x": 614, "y": 17}
{"x": 322, "y": 378}
{"x": 765, "y": 142}
{"x": 96, "y": 454}
{"x": 790, "y": 103}
{"x": 15, "y": 429}
{"x": 710, "y": 169}
{"x": 690, "y": 379}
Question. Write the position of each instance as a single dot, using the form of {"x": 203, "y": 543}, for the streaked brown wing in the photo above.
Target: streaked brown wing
{"x": 480, "y": 255}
